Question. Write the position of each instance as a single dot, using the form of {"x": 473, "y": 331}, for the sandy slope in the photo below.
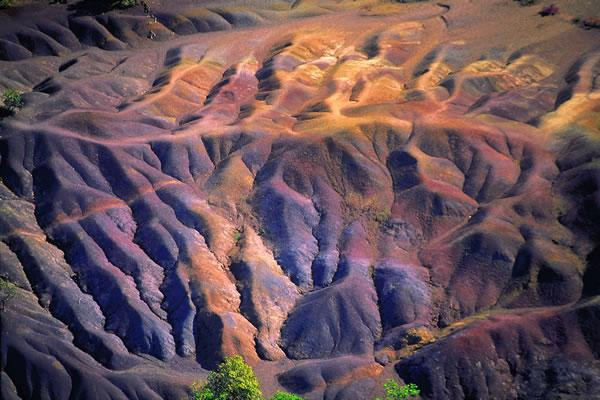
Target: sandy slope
{"x": 340, "y": 191}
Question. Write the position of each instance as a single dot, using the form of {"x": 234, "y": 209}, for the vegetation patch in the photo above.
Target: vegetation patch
{"x": 234, "y": 379}
{"x": 7, "y": 291}
{"x": 395, "y": 391}
{"x": 382, "y": 216}
{"x": 12, "y": 99}
{"x": 285, "y": 396}
{"x": 237, "y": 236}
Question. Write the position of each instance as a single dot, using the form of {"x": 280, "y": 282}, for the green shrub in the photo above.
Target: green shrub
{"x": 393, "y": 391}
{"x": 285, "y": 396}
{"x": 12, "y": 99}
{"x": 382, "y": 216}
{"x": 233, "y": 379}
{"x": 7, "y": 291}
{"x": 237, "y": 236}
{"x": 5, "y": 3}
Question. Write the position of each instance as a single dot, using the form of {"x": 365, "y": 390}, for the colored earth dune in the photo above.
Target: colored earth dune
{"x": 340, "y": 191}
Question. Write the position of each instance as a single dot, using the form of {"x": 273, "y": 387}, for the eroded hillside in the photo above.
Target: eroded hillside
{"x": 339, "y": 191}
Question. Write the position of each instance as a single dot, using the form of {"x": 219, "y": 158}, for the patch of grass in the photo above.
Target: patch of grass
{"x": 418, "y": 335}
{"x": 8, "y": 290}
{"x": 382, "y": 216}
{"x": 285, "y": 396}
{"x": 237, "y": 236}
{"x": 12, "y": 99}
{"x": 394, "y": 391}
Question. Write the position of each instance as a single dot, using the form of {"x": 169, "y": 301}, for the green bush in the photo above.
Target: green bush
{"x": 285, "y": 396}
{"x": 7, "y": 291}
{"x": 233, "y": 379}
{"x": 237, "y": 236}
{"x": 382, "y": 216}
{"x": 5, "y": 3}
{"x": 393, "y": 391}
{"x": 12, "y": 99}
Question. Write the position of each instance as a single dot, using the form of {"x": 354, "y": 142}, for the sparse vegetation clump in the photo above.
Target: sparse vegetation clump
{"x": 382, "y": 216}
{"x": 418, "y": 335}
{"x": 5, "y": 3}
{"x": 7, "y": 291}
{"x": 285, "y": 396}
{"x": 394, "y": 391}
{"x": 12, "y": 99}
{"x": 237, "y": 236}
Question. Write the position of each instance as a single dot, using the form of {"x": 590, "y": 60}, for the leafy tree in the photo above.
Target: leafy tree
{"x": 285, "y": 396}
{"x": 233, "y": 380}
{"x": 394, "y": 391}
{"x": 12, "y": 99}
